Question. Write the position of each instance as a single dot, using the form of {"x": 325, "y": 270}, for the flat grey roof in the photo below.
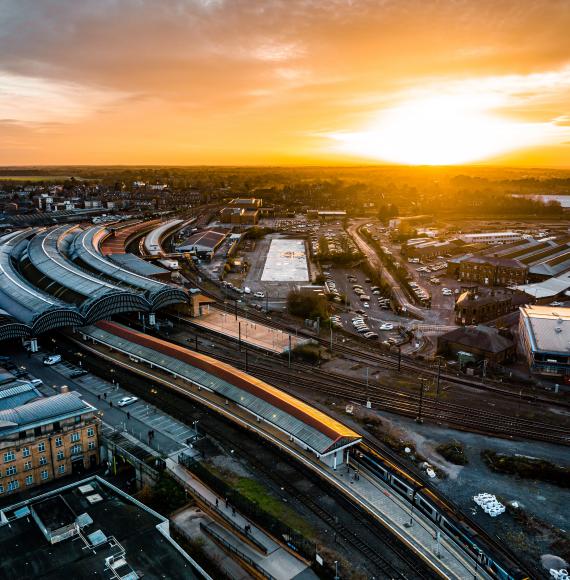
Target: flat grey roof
{"x": 137, "y": 265}
{"x": 548, "y": 328}
{"x": 16, "y": 394}
{"x": 137, "y": 530}
{"x": 43, "y": 411}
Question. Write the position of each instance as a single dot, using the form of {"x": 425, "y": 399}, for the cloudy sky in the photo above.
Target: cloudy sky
{"x": 284, "y": 81}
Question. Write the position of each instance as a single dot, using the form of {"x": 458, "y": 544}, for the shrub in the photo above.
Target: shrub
{"x": 527, "y": 467}
{"x": 453, "y": 452}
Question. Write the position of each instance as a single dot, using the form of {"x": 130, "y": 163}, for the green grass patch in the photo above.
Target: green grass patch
{"x": 255, "y": 491}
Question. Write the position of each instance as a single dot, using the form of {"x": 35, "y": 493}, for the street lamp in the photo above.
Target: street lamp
{"x": 419, "y": 418}
{"x": 411, "y": 522}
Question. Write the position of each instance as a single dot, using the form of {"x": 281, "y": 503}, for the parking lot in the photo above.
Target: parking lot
{"x": 431, "y": 275}
{"x": 375, "y": 315}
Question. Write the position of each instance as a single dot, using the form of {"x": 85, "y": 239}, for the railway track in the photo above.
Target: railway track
{"x": 382, "y": 563}
{"x": 395, "y": 401}
{"x": 387, "y": 360}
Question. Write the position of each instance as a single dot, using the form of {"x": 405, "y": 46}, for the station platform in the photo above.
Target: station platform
{"x": 396, "y": 514}
{"x": 253, "y": 333}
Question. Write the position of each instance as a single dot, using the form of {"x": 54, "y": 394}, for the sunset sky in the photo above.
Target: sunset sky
{"x": 184, "y": 82}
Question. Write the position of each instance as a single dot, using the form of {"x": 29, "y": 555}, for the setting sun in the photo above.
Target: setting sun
{"x": 440, "y": 130}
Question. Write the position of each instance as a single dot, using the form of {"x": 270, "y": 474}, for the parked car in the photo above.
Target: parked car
{"x": 127, "y": 401}
{"x": 386, "y": 326}
{"x": 52, "y": 359}
{"x": 259, "y": 295}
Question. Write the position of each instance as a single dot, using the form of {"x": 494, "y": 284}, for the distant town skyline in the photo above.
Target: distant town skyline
{"x": 219, "y": 82}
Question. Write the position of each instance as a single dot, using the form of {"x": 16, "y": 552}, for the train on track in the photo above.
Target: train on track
{"x": 491, "y": 557}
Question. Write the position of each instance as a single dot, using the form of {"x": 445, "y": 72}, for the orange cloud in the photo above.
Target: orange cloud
{"x": 242, "y": 81}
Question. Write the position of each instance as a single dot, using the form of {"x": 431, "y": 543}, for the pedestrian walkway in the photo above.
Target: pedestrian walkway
{"x": 270, "y": 556}
{"x": 190, "y": 523}
{"x": 138, "y": 418}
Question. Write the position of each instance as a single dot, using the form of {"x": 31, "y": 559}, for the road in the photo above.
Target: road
{"x": 170, "y": 435}
{"x": 372, "y": 257}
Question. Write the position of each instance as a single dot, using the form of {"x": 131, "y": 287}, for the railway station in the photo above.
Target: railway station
{"x": 115, "y": 239}
{"x": 302, "y": 424}
{"x": 58, "y": 278}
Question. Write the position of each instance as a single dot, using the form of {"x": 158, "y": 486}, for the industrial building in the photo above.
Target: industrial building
{"x": 242, "y": 211}
{"x": 545, "y": 339}
{"x": 424, "y": 248}
{"x": 491, "y": 237}
{"x": 557, "y": 288}
{"x": 203, "y": 244}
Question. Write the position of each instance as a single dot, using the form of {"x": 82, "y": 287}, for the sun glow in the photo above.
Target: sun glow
{"x": 441, "y": 130}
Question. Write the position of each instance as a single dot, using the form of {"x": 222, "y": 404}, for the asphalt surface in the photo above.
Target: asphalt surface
{"x": 141, "y": 417}
{"x": 372, "y": 257}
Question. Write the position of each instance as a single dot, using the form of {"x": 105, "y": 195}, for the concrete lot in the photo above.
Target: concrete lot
{"x": 257, "y": 259}
{"x": 253, "y": 333}
{"x": 286, "y": 261}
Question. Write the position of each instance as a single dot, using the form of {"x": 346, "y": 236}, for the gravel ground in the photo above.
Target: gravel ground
{"x": 548, "y": 503}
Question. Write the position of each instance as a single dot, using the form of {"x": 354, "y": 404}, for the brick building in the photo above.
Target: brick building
{"x": 239, "y": 216}
{"x": 45, "y": 440}
{"x": 481, "y": 342}
{"x": 242, "y": 211}
{"x": 473, "y": 308}
{"x": 488, "y": 270}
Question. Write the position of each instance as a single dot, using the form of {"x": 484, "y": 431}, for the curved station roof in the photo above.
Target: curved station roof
{"x": 116, "y": 240}
{"x": 55, "y": 278}
{"x": 152, "y": 241}
{"x": 312, "y": 428}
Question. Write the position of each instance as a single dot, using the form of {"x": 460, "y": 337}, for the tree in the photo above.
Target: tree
{"x": 307, "y": 304}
